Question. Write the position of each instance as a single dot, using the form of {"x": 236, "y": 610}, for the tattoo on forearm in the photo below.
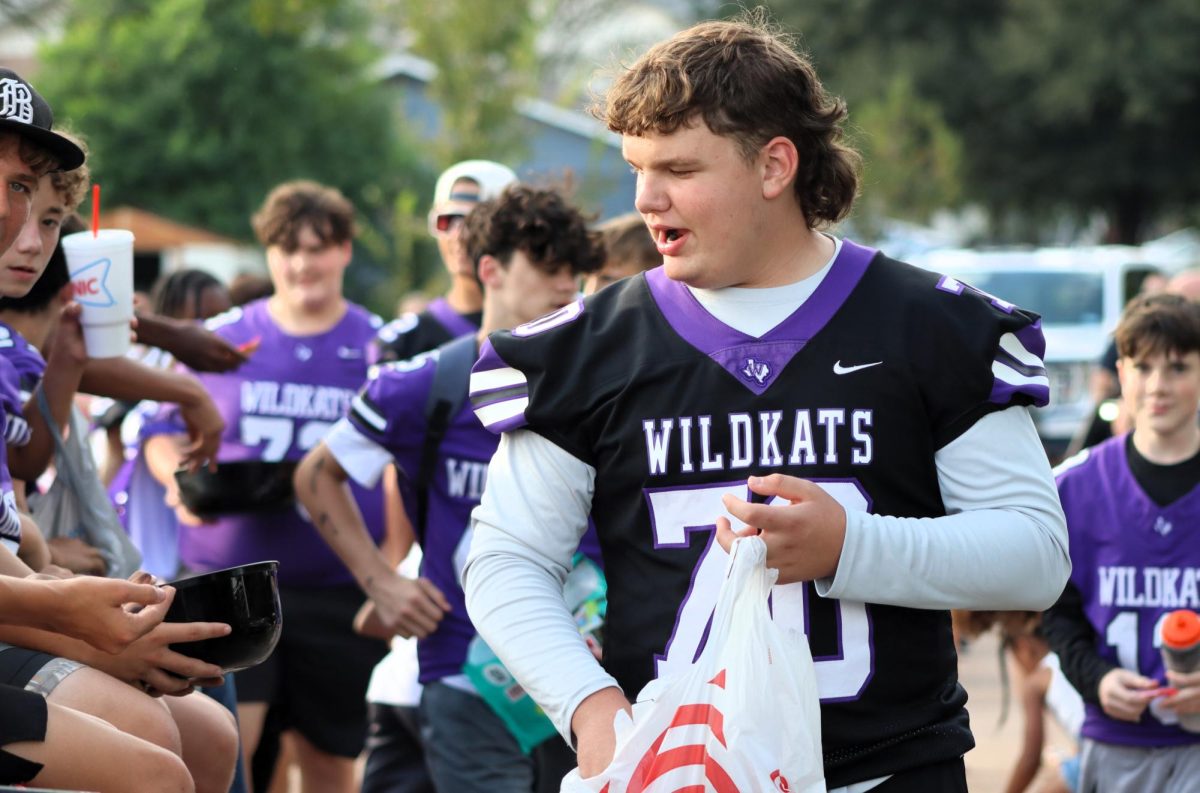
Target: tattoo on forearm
{"x": 316, "y": 472}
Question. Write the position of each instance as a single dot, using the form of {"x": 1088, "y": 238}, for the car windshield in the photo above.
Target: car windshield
{"x": 1061, "y": 298}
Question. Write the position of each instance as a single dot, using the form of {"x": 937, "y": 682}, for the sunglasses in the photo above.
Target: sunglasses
{"x": 443, "y": 224}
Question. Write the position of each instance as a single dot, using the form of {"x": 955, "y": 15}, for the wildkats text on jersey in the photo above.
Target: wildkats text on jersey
{"x": 828, "y": 436}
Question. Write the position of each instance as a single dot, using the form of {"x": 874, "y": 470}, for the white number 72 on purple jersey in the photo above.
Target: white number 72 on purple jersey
{"x": 680, "y": 516}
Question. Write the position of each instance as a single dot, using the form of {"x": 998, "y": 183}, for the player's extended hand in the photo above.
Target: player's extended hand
{"x": 67, "y": 345}
{"x": 1124, "y": 694}
{"x": 108, "y": 613}
{"x": 205, "y": 427}
{"x": 408, "y": 607}
{"x": 1186, "y": 699}
{"x": 592, "y": 724}
{"x": 151, "y": 665}
{"x": 804, "y": 538}
{"x": 200, "y": 349}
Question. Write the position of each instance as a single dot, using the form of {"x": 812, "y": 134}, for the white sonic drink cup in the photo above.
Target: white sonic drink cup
{"x": 101, "y": 268}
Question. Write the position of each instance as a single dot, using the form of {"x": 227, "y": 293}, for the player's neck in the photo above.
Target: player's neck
{"x": 464, "y": 296}
{"x": 1168, "y": 449}
{"x": 302, "y": 321}
{"x": 792, "y": 255}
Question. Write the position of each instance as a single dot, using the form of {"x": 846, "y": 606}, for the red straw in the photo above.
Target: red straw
{"x": 95, "y": 210}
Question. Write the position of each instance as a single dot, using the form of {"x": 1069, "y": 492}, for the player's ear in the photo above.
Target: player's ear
{"x": 490, "y": 271}
{"x": 779, "y": 162}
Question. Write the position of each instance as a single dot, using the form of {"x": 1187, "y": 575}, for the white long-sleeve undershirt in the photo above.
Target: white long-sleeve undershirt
{"x": 1003, "y": 545}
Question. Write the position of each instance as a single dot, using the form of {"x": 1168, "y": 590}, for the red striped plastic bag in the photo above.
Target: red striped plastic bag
{"x": 744, "y": 718}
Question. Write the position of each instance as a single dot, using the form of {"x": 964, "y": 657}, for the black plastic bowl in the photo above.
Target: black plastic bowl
{"x": 237, "y": 488}
{"x": 246, "y": 598}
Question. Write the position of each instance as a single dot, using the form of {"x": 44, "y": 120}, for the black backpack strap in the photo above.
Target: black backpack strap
{"x": 451, "y": 381}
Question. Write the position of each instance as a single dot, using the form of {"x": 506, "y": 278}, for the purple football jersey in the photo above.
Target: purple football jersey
{"x": 1133, "y": 563}
{"x": 24, "y": 357}
{"x": 16, "y": 432}
{"x": 390, "y": 412}
{"x": 276, "y": 407}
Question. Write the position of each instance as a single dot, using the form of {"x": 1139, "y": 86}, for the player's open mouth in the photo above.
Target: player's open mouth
{"x": 670, "y": 240}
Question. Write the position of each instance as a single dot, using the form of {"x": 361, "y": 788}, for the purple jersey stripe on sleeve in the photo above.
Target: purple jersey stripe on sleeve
{"x": 499, "y": 393}
{"x": 1018, "y": 368}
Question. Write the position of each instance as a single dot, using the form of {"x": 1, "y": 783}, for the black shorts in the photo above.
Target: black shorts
{"x": 22, "y": 718}
{"x": 33, "y": 670}
{"x": 317, "y": 677}
{"x": 947, "y": 776}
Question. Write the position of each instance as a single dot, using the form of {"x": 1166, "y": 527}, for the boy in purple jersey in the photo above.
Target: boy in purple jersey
{"x": 459, "y": 189}
{"x": 888, "y": 404}
{"x": 1133, "y": 510}
{"x": 311, "y": 357}
{"x": 530, "y": 246}
{"x": 41, "y": 743}
{"x": 53, "y": 665}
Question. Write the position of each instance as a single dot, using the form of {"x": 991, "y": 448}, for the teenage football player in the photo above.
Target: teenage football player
{"x": 530, "y": 247}
{"x": 883, "y": 406}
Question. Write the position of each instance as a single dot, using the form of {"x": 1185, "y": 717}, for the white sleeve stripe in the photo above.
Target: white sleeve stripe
{"x": 1007, "y": 374}
{"x": 17, "y": 431}
{"x": 368, "y": 414}
{"x": 496, "y": 378}
{"x": 1012, "y": 345}
{"x": 361, "y": 458}
{"x": 501, "y": 411}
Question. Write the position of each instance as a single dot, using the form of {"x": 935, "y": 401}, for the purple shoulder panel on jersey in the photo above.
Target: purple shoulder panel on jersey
{"x": 751, "y": 361}
{"x": 390, "y": 408}
{"x": 1018, "y": 368}
{"x": 499, "y": 393}
{"x": 454, "y": 323}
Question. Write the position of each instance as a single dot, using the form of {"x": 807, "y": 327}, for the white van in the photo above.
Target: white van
{"x": 1079, "y": 293}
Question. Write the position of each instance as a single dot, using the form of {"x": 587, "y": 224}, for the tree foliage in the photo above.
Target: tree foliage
{"x": 196, "y": 108}
{"x": 1070, "y": 107}
{"x": 486, "y": 61}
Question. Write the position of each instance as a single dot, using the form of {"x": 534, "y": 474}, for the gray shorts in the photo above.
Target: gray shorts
{"x": 32, "y": 670}
{"x": 1112, "y": 768}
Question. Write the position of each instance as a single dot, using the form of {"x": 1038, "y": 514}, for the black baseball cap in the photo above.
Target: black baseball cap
{"x": 23, "y": 111}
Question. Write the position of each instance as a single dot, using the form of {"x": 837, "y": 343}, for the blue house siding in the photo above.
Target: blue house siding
{"x": 560, "y": 142}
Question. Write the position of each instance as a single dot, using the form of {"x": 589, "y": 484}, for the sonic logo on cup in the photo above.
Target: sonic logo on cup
{"x": 90, "y": 285}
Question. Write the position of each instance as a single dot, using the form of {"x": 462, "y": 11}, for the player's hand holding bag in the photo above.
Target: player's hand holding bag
{"x": 745, "y": 718}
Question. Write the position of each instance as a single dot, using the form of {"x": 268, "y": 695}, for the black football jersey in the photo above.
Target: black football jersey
{"x": 883, "y": 365}
{"x": 412, "y": 334}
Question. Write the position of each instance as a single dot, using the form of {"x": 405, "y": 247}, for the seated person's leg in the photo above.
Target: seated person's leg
{"x": 209, "y": 735}
{"x": 95, "y": 693}
{"x": 81, "y": 752}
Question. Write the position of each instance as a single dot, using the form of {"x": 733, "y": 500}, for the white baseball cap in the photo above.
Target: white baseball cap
{"x": 492, "y": 178}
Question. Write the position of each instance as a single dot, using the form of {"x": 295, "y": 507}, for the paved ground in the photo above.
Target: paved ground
{"x": 996, "y": 747}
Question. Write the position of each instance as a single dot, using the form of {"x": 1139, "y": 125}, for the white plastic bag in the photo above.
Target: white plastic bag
{"x": 745, "y": 718}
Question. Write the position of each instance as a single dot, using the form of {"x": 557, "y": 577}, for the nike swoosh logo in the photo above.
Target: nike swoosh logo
{"x": 839, "y": 369}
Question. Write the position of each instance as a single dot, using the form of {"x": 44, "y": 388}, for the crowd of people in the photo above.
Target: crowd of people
{"x": 431, "y": 481}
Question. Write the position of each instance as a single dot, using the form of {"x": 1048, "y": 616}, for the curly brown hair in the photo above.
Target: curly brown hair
{"x": 72, "y": 185}
{"x": 747, "y": 82}
{"x": 293, "y": 205}
{"x": 539, "y": 222}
